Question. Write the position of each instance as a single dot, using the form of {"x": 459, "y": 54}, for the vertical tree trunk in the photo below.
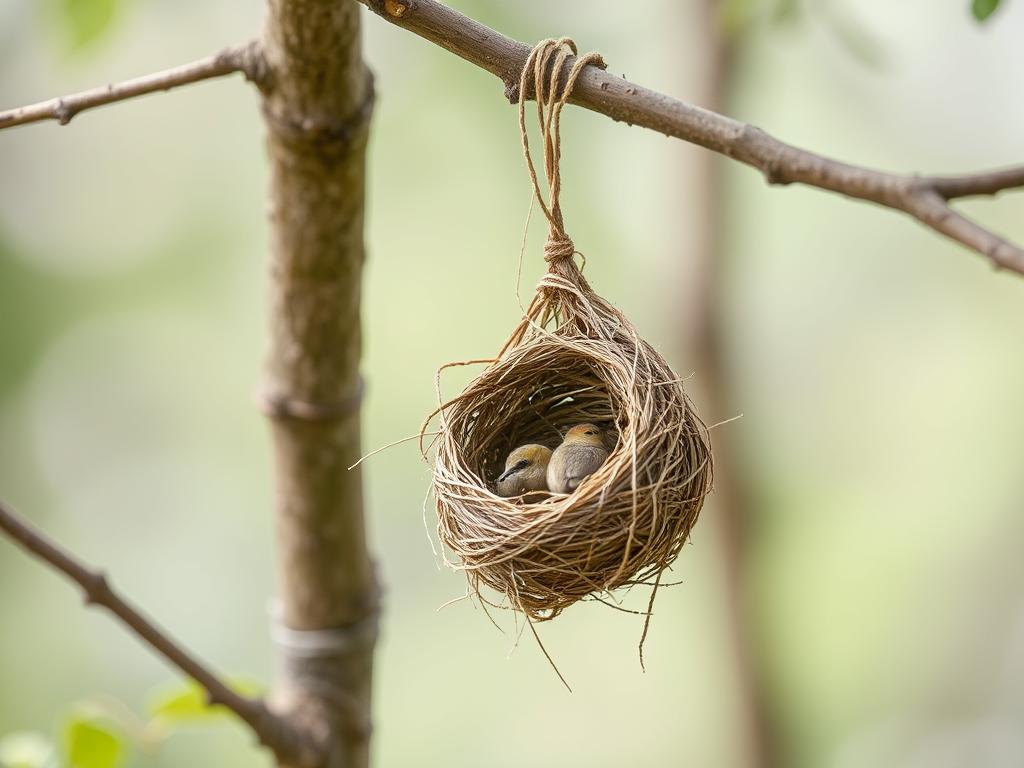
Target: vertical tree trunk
{"x": 316, "y": 108}
{"x": 712, "y": 57}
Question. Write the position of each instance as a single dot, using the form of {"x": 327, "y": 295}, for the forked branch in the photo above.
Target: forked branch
{"x": 289, "y": 744}
{"x": 246, "y": 58}
{"x": 926, "y": 198}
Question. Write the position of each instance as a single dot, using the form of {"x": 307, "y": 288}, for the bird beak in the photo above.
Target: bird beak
{"x": 513, "y": 469}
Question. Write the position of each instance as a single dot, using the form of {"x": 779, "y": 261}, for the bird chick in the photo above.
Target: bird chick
{"x": 525, "y": 470}
{"x": 578, "y": 457}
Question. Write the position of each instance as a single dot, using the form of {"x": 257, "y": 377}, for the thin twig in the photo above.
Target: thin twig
{"x": 275, "y": 732}
{"x": 247, "y": 59}
{"x": 923, "y": 197}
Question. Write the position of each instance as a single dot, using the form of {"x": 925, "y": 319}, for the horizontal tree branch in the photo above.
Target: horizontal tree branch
{"x": 923, "y": 197}
{"x": 990, "y": 183}
{"x": 289, "y": 744}
{"x": 247, "y": 59}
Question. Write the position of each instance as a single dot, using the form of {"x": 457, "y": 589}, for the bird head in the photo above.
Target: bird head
{"x": 525, "y": 456}
{"x": 586, "y": 434}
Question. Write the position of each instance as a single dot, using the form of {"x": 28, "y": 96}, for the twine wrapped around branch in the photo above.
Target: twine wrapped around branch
{"x": 573, "y": 358}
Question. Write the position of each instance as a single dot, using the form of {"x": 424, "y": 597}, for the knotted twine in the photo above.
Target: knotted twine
{"x": 549, "y": 56}
{"x": 572, "y": 358}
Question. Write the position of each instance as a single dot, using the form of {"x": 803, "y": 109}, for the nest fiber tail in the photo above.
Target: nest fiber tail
{"x": 573, "y": 358}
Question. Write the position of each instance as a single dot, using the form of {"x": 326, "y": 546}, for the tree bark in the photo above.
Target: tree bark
{"x": 317, "y": 104}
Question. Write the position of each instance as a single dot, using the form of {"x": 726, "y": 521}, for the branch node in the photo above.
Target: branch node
{"x": 397, "y": 8}
{"x": 63, "y": 113}
{"x": 324, "y": 133}
{"x": 253, "y": 65}
{"x": 285, "y": 407}
{"x": 916, "y": 185}
{"x": 511, "y": 88}
{"x": 774, "y": 175}
{"x": 96, "y": 590}
{"x": 774, "y": 168}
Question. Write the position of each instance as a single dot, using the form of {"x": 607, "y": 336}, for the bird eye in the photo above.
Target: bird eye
{"x": 591, "y": 432}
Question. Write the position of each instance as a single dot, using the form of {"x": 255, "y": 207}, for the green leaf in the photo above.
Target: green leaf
{"x": 87, "y": 20}
{"x": 982, "y": 9}
{"x": 26, "y": 749}
{"x": 182, "y": 703}
{"x": 187, "y": 702}
{"x": 90, "y": 742}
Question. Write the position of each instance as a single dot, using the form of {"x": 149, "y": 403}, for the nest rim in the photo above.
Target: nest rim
{"x": 621, "y": 527}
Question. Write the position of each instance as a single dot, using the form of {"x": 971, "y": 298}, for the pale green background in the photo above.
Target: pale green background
{"x": 878, "y": 369}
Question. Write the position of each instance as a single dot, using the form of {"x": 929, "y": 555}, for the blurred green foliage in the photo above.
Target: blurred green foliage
{"x": 92, "y": 741}
{"x": 101, "y": 733}
{"x": 187, "y": 702}
{"x": 982, "y": 9}
{"x": 83, "y": 23}
{"x": 26, "y": 749}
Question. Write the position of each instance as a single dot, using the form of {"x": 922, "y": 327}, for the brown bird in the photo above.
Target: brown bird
{"x": 525, "y": 470}
{"x": 577, "y": 458}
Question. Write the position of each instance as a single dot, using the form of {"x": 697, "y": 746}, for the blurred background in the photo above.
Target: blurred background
{"x": 853, "y": 592}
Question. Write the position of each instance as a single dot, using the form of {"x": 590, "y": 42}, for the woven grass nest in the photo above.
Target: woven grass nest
{"x": 573, "y": 358}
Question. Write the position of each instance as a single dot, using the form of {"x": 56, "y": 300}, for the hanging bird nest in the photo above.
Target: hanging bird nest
{"x": 574, "y": 358}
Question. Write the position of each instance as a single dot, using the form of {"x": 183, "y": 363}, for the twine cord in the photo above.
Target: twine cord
{"x": 542, "y": 75}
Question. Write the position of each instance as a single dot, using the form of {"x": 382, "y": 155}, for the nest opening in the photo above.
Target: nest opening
{"x": 540, "y": 410}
